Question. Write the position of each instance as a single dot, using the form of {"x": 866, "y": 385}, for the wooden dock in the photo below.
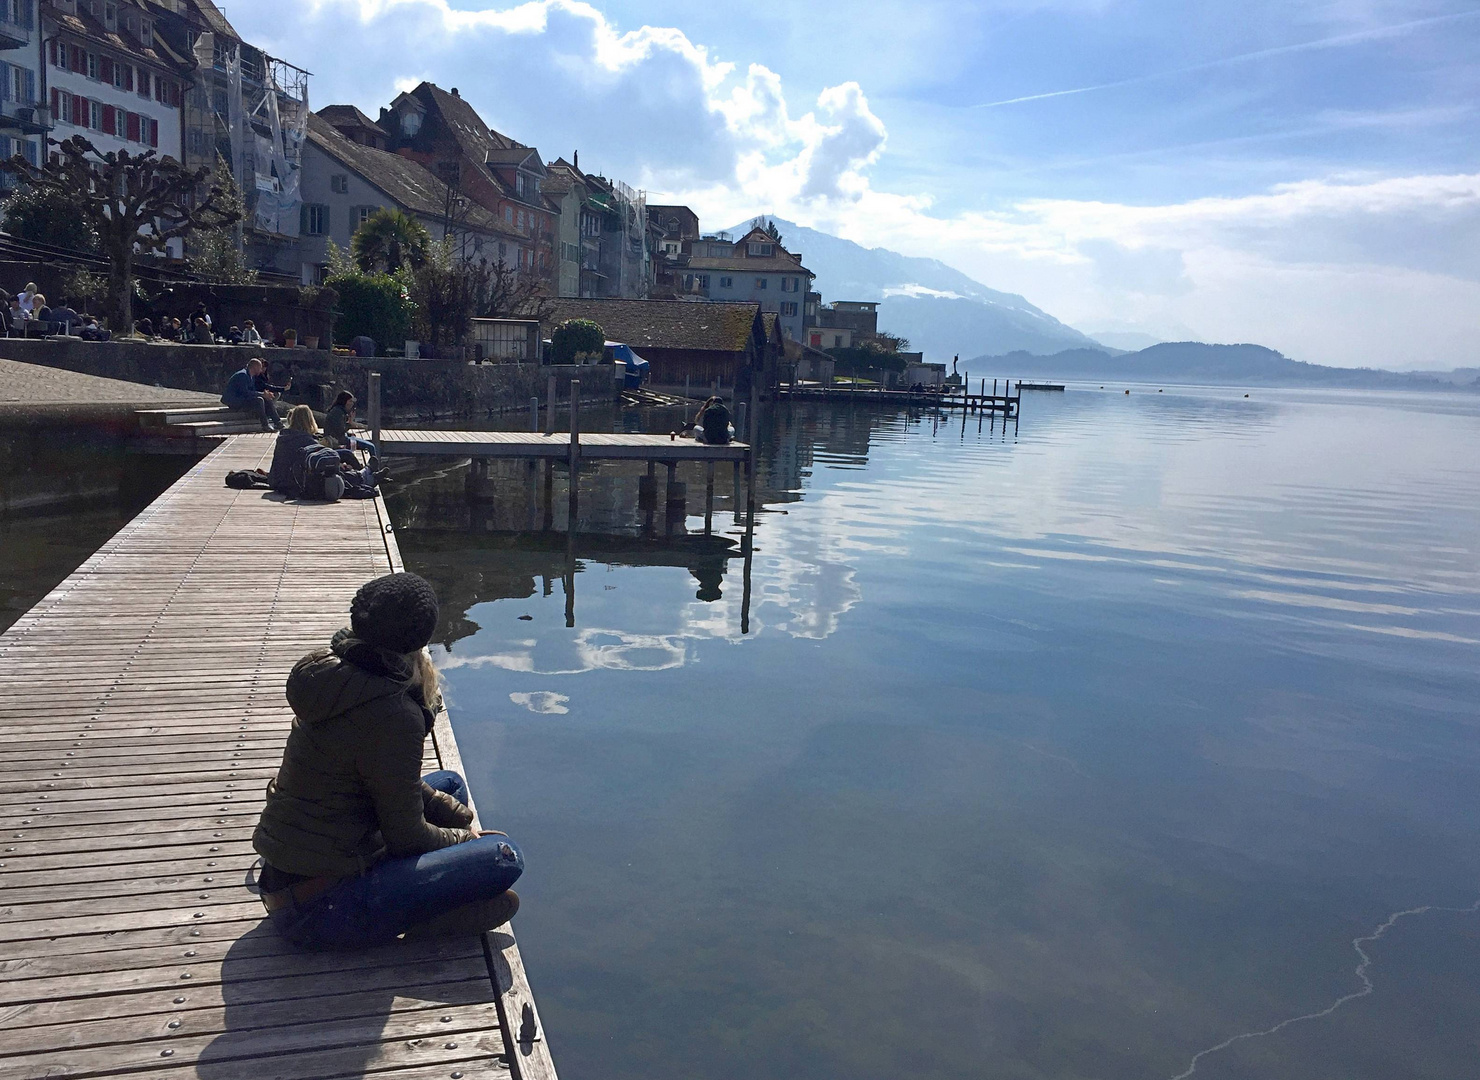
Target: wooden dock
{"x": 1004, "y": 404}
{"x": 142, "y": 714}
{"x": 534, "y": 446}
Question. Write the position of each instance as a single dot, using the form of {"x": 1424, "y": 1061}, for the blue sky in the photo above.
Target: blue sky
{"x": 1300, "y": 175}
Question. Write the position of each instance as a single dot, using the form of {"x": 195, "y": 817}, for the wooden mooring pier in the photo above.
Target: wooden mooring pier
{"x": 1005, "y": 404}
{"x": 141, "y": 716}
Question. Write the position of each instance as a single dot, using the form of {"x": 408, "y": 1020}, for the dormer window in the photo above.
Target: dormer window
{"x": 110, "y": 15}
{"x": 757, "y": 248}
{"x": 146, "y": 33}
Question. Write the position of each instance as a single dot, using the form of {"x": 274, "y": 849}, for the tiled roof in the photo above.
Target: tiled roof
{"x": 217, "y": 21}
{"x": 348, "y": 116}
{"x": 664, "y": 324}
{"x": 85, "y": 25}
{"x": 757, "y": 264}
{"x": 405, "y": 182}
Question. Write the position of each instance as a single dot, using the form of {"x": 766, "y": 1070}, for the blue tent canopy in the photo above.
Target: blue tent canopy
{"x": 636, "y": 366}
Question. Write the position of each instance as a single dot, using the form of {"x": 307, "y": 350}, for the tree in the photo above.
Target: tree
{"x": 374, "y": 305}
{"x": 447, "y": 292}
{"x": 512, "y": 295}
{"x": 576, "y": 340}
{"x": 219, "y": 256}
{"x": 46, "y": 216}
{"x": 389, "y": 240}
{"x": 769, "y": 227}
{"x": 137, "y": 203}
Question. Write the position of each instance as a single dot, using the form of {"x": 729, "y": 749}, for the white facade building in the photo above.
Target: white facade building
{"x": 755, "y": 269}
{"x": 107, "y": 80}
{"x": 22, "y": 120}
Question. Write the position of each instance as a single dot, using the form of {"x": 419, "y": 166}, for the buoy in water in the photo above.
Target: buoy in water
{"x": 1127, "y": 392}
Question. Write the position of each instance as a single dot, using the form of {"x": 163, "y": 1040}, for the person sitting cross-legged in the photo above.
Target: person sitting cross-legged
{"x": 357, "y": 846}
{"x": 241, "y": 393}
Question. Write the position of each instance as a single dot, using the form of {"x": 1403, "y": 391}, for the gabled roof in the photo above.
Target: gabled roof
{"x": 405, "y": 182}
{"x": 780, "y": 263}
{"x": 696, "y": 325}
{"x": 349, "y": 116}
{"x": 213, "y": 18}
{"x": 516, "y": 156}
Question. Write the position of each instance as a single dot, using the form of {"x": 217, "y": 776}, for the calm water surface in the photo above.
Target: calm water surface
{"x": 1070, "y": 752}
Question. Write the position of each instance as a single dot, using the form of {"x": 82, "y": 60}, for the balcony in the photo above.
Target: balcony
{"x": 28, "y": 119}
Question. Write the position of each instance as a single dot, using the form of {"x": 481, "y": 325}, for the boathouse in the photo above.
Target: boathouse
{"x": 685, "y": 340}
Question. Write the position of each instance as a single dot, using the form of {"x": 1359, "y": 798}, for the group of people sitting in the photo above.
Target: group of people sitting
{"x": 197, "y": 328}
{"x": 28, "y": 314}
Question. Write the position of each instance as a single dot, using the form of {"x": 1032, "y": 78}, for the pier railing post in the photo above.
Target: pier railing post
{"x": 575, "y": 448}
{"x": 372, "y": 408}
{"x": 534, "y": 414}
{"x": 550, "y": 407}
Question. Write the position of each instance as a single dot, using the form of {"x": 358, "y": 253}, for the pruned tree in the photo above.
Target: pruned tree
{"x": 448, "y": 293}
{"x": 389, "y": 240}
{"x": 512, "y": 295}
{"x": 137, "y": 203}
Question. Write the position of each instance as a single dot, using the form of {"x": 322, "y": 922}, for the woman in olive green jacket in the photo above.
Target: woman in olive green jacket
{"x": 357, "y": 847}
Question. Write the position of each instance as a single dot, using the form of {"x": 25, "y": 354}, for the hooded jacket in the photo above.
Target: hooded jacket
{"x": 349, "y": 791}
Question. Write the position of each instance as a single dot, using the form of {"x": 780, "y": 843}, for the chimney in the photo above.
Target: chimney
{"x": 575, "y": 159}
{"x": 455, "y": 93}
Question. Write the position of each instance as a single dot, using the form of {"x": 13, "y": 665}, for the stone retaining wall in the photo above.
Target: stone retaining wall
{"x": 416, "y": 389}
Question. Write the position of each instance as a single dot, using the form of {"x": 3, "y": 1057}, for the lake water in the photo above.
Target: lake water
{"x": 1070, "y": 751}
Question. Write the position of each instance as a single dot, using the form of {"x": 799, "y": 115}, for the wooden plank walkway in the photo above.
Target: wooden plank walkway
{"x": 141, "y": 716}
{"x": 533, "y": 445}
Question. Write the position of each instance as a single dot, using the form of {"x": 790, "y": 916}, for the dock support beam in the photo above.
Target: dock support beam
{"x": 372, "y": 407}
{"x": 708, "y": 497}
{"x": 575, "y": 451}
{"x": 550, "y": 407}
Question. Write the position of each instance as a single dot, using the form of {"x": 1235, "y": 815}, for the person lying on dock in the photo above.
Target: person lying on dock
{"x": 357, "y": 846}
{"x": 242, "y": 393}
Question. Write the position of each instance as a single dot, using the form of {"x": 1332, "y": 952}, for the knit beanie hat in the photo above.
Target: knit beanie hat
{"x": 396, "y": 612}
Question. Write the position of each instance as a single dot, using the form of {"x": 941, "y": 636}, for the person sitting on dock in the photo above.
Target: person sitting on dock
{"x": 357, "y": 846}
{"x": 337, "y": 423}
{"x": 290, "y": 474}
{"x": 263, "y": 383}
{"x": 712, "y": 423}
{"x": 241, "y": 393}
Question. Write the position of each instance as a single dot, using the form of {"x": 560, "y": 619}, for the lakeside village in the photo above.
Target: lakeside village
{"x": 423, "y": 234}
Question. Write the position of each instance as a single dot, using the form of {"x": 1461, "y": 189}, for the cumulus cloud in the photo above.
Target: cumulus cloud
{"x": 1335, "y": 269}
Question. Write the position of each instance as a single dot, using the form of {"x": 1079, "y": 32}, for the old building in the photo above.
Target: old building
{"x": 23, "y": 115}
{"x": 755, "y": 268}
{"x": 700, "y": 342}
{"x": 346, "y": 179}
{"x": 859, "y": 317}
{"x": 441, "y": 131}
{"x": 566, "y": 189}
{"x": 110, "y": 79}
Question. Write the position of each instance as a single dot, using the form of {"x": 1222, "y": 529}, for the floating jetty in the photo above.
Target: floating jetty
{"x": 1005, "y": 404}
{"x": 141, "y": 716}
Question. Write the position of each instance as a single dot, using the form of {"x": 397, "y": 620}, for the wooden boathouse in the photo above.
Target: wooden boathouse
{"x": 141, "y": 716}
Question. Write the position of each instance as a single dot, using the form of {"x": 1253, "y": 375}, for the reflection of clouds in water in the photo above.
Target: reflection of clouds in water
{"x": 541, "y": 701}
{"x": 593, "y": 648}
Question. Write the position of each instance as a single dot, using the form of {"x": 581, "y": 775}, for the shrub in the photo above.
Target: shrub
{"x": 49, "y": 217}
{"x": 575, "y": 341}
{"x": 375, "y": 305}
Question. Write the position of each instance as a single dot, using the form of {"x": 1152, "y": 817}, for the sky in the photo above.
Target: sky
{"x": 1301, "y": 175}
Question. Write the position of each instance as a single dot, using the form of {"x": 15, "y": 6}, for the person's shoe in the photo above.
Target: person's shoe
{"x": 375, "y": 465}
{"x": 475, "y": 918}
{"x": 381, "y": 475}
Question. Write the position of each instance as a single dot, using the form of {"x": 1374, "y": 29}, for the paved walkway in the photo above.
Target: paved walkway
{"x": 34, "y": 390}
{"x": 141, "y": 715}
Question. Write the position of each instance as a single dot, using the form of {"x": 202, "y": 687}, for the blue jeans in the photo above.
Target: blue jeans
{"x": 396, "y": 894}
{"x": 354, "y": 442}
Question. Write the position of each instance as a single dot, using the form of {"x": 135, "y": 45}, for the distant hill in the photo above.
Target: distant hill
{"x": 1194, "y": 362}
{"x": 942, "y": 311}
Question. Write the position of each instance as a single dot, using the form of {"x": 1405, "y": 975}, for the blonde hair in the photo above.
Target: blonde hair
{"x": 300, "y": 418}
{"x": 425, "y": 678}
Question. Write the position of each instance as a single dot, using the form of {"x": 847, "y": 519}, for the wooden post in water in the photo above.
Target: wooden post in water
{"x": 550, "y": 407}
{"x": 755, "y": 410}
{"x": 575, "y": 449}
{"x": 549, "y": 520}
{"x": 534, "y": 414}
{"x": 372, "y": 408}
{"x": 708, "y": 497}
{"x": 735, "y": 492}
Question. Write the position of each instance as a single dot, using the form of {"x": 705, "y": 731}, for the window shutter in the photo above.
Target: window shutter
{"x": 154, "y": 133}
{"x": 33, "y": 153}
{"x": 110, "y": 120}
{"x": 133, "y": 127}
{"x": 52, "y": 52}
{"x": 30, "y": 86}
{"x": 28, "y": 14}
{"x": 128, "y": 76}
{"x": 56, "y": 104}
{"x": 79, "y": 60}
{"x": 105, "y": 70}
{"x": 6, "y": 82}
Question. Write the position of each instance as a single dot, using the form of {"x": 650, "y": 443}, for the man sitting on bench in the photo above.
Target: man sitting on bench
{"x": 241, "y": 393}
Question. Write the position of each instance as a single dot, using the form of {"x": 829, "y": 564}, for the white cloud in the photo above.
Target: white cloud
{"x": 1335, "y": 269}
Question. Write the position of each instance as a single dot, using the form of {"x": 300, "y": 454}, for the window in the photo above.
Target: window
{"x": 508, "y": 215}
{"x": 756, "y": 248}
{"x": 95, "y": 120}
{"x": 144, "y": 81}
{"x": 837, "y": 341}
{"x": 789, "y": 308}
{"x": 146, "y": 33}
{"x": 315, "y": 219}
{"x": 703, "y": 281}
{"x": 19, "y": 12}
{"x": 761, "y": 283}
{"x": 726, "y": 283}
{"x": 339, "y": 183}
{"x": 92, "y": 65}
{"x": 362, "y": 214}
{"x": 19, "y": 85}
{"x": 521, "y": 221}
{"x": 120, "y": 74}
{"x": 110, "y": 16}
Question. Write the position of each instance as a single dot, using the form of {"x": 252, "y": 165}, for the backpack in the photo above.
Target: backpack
{"x": 314, "y": 464}
{"x": 243, "y": 479}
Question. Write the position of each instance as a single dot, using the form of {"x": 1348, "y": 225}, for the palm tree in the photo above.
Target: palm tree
{"x": 387, "y": 239}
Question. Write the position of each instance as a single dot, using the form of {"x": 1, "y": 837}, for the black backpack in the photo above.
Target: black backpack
{"x": 243, "y": 479}
{"x": 313, "y": 465}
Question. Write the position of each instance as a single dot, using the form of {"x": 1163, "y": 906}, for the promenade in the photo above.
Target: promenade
{"x": 141, "y": 716}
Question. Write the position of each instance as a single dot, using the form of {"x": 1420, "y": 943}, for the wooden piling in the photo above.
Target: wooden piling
{"x": 550, "y": 407}
{"x": 575, "y": 449}
{"x": 372, "y": 408}
{"x": 708, "y": 497}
